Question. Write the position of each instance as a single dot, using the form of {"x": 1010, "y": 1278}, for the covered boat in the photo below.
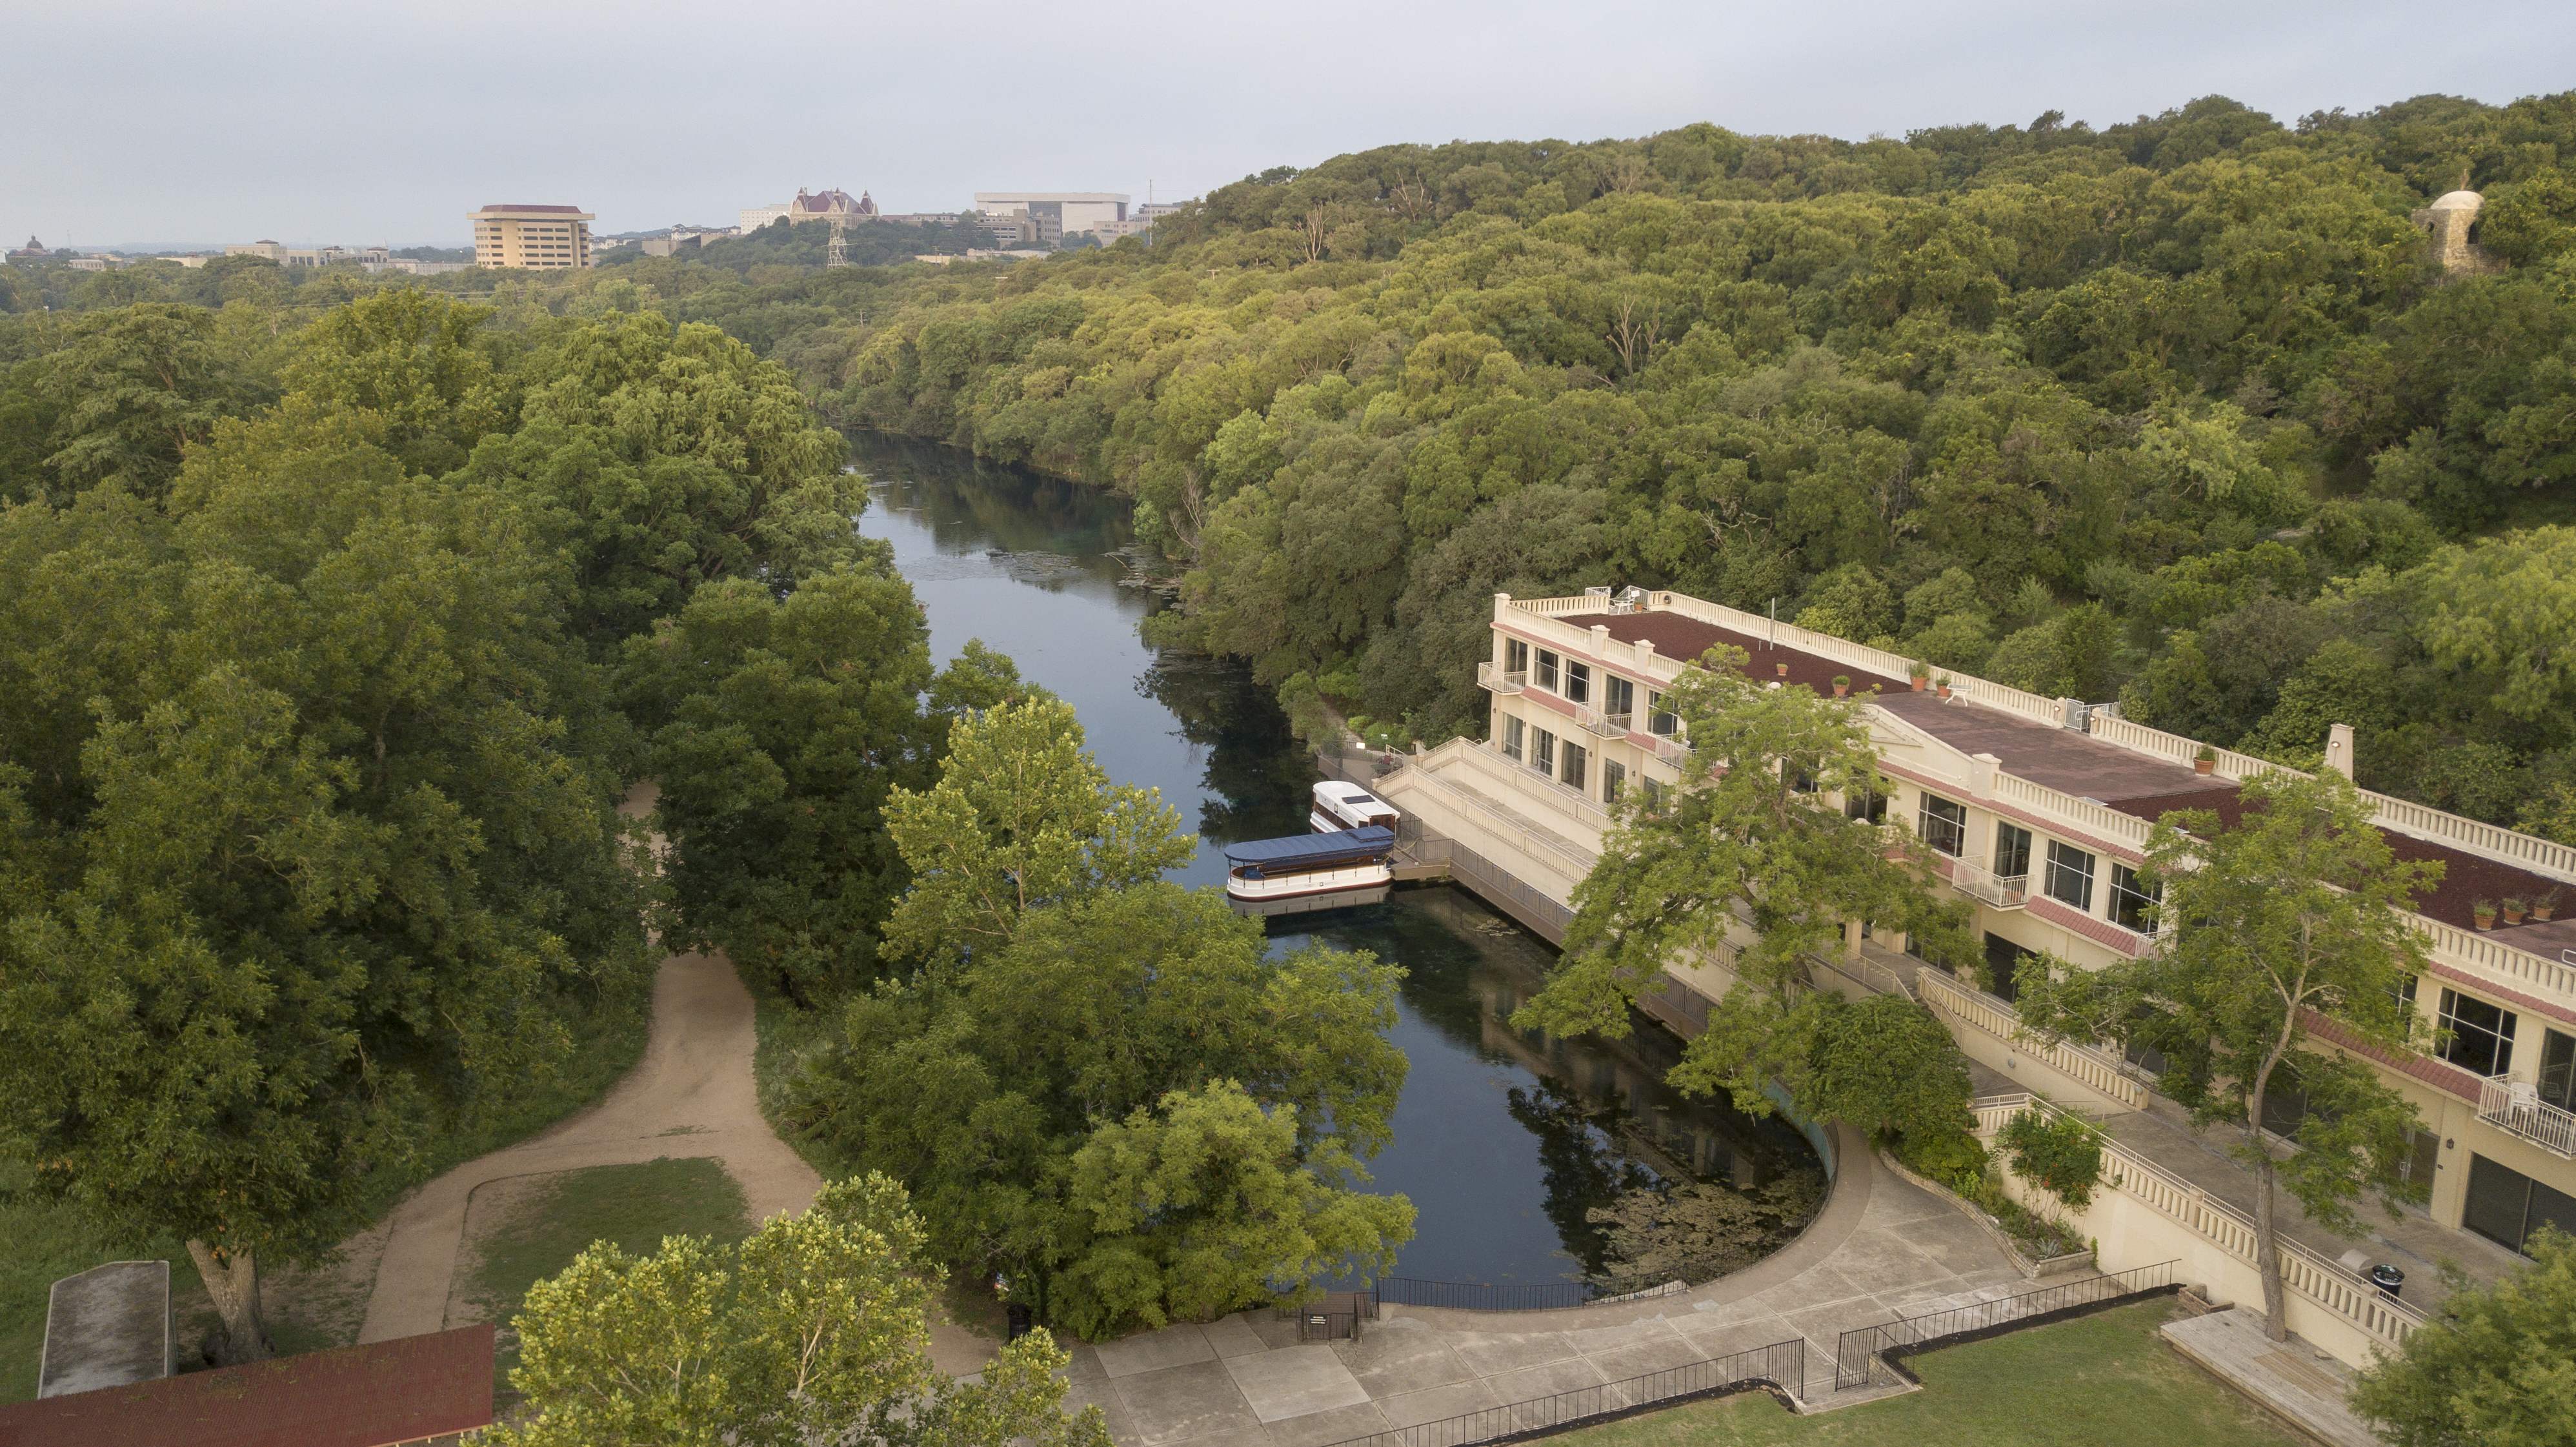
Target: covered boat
{"x": 1341, "y": 806}
{"x": 1311, "y": 871}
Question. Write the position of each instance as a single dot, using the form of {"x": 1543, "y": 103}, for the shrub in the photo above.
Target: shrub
{"x": 2061, "y": 1153}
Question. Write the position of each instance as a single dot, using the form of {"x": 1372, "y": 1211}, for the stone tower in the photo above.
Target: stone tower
{"x": 2447, "y": 222}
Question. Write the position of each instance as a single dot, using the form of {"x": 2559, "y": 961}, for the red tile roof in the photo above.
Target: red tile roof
{"x": 361, "y": 1396}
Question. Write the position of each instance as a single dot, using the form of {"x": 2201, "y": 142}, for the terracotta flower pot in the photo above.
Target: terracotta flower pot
{"x": 1918, "y": 683}
{"x": 1945, "y": 690}
{"x": 1842, "y": 690}
{"x": 2513, "y": 916}
{"x": 2486, "y": 919}
{"x": 1784, "y": 669}
{"x": 2540, "y": 913}
{"x": 2204, "y": 766}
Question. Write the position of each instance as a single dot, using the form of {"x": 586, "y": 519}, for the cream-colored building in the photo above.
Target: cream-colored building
{"x": 531, "y": 238}
{"x": 2036, "y": 810}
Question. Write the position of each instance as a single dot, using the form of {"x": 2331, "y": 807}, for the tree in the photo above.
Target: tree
{"x": 979, "y": 1082}
{"x": 2496, "y": 1364}
{"x": 1022, "y": 816}
{"x": 1746, "y": 868}
{"x": 789, "y": 722}
{"x": 309, "y": 858}
{"x": 2295, "y": 913}
{"x": 1206, "y": 1204}
{"x": 813, "y": 1329}
{"x": 120, "y": 396}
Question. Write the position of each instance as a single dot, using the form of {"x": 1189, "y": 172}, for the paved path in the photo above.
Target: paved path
{"x": 1880, "y": 1246}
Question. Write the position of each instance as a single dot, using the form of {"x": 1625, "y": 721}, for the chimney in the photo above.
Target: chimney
{"x": 2339, "y": 749}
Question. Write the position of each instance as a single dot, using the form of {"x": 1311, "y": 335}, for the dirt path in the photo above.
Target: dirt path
{"x": 691, "y": 1095}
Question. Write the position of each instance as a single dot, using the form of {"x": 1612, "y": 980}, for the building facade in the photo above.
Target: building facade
{"x": 1046, "y": 218}
{"x": 531, "y": 238}
{"x": 2036, "y": 811}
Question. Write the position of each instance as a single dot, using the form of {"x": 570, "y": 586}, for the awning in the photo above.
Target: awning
{"x": 1311, "y": 851}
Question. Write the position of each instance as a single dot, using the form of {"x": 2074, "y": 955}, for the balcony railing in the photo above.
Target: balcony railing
{"x": 1997, "y": 891}
{"x": 1501, "y": 680}
{"x": 1602, "y": 725}
{"x": 1671, "y": 750}
{"x": 2513, "y": 1105}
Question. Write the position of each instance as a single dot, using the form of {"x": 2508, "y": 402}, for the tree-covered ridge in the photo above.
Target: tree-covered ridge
{"x": 2178, "y": 412}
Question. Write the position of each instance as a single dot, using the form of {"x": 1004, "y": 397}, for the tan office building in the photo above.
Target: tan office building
{"x": 531, "y": 238}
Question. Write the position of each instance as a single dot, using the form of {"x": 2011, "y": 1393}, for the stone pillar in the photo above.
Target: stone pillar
{"x": 1981, "y": 774}
{"x": 1851, "y": 939}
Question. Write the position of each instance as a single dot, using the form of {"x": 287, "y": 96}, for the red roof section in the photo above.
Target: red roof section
{"x": 361, "y": 1396}
{"x": 504, "y": 206}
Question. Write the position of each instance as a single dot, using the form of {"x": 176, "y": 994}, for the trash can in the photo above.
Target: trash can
{"x": 1020, "y": 1321}
{"x": 2388, "y": 1279}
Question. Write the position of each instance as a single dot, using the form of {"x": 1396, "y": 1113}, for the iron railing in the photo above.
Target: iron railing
{"x": 1860, "y": 1352}
{"x": 1601, "y": 724}
{"x": 1501, "y": 680}
{"x": 1484, "y": 1296}
{"x": 1334, "y": 1317}
{"x": 1781, "y": 1367}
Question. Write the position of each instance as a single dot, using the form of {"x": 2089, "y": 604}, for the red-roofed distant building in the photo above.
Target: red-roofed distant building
{"x": 417, "y": 1389}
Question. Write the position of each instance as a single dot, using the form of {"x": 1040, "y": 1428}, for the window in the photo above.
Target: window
{"x": 1516, "y": 657}
{"x": 2558, "y": 1069}
{"x": 1618, "y": 697}
{"x": 1513, "y": 733}
{"x": 1802, "y": 778}
{"x": 2070, "y": 876}
{"x": 2132, "y": 898}
{"x": 1546, "y": 675}
{"x": 1614, "y": 780}
{"x": 1654, "y": 792}
{"x": 2004, "y": 960}
{"x": 2012, "y": 851}
{"x": 1543, "y": 752}
{"x": 1657, "y": 720}
{"x": 1943, "y": 823}
{"x": 1578, "y": 683}
{"x": 1575, "y": 755}
{"x": 1864, "y": 802}
{"x": 2475, "y": 1036}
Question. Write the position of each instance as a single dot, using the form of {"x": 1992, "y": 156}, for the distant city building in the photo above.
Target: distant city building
{"x": 831, "y": 205}
{"x": 1046, "y": 218}
{"x": 531, "y": 238}
{"x": 264, "y": 250}
{"x": 34, "y": 250}
{"x": 976, "y": 253}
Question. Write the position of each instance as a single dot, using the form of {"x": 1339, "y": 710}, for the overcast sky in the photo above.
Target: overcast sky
{"x": 132, "y": 121}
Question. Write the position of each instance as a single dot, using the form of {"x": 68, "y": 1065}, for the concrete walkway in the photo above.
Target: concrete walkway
{"x": 2292, "y": 1380}
{"x": 1880, "y": 1247}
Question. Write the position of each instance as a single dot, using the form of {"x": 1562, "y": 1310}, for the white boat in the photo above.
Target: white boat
{"x": 1311, "y": 871}
{"x": 1339, "y": 806}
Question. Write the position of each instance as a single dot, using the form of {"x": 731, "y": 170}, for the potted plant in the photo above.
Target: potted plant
{"x": 2484, "y": 910}
{"x": 1842, "y": 685}
{"x": 2513, "y": 911}
{"x": 2206, "y": 761}
{"x": 1784, "y": 669}
{"x": 2545, "y": 906}
{"x": 1921, "y": 673}
{"x": 1944, "y": 685}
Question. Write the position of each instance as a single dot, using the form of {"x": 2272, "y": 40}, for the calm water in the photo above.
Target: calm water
{"x": 1501, "y": 1140}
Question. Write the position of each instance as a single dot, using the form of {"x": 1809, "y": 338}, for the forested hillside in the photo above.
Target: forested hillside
{"x": 2178, "y": 412}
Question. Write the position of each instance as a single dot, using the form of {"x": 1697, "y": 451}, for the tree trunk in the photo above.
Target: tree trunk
{"x": 2267, "y": 1254}
{"x": 232, "y": 1279}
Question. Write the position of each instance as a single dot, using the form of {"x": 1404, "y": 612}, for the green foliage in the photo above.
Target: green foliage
{"x": 1742, "y": 851}
{"x": 813, "y": 1328}
{"x": 2062, "y": 1153}
{"x": 1886, "y": 1066}
{"x": 1207, "y": 1204}
{"x": 2496, "y": 1363}
{"x": 2299, "y": 907}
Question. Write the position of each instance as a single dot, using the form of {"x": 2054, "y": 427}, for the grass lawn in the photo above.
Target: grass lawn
{"x": 542, "y": 1230}
{"x": 2091, "y": 1382}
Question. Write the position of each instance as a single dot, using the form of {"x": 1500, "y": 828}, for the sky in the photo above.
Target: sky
{"x": 142, "y": 121}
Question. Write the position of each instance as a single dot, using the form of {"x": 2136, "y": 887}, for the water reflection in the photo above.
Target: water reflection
{"x": 1503, "y": 1139}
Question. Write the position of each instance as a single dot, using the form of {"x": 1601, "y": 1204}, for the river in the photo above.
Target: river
{"x": 1502, "y": 1140}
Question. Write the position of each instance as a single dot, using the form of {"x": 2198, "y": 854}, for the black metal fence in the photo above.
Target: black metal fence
{"x": 1857, "y": 1353}
{"x": 1479, "y": 1296}
{"x": 1336, "y": 1317}
{"x": 1781, "y": 1367}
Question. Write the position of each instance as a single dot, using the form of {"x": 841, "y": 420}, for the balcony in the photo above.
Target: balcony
{"x": 2515, "y": 1106}
{"x": 1996, "y": 891}
{"x": 1673, "y": 751}
{"x": 1602, "y": 725}
{"x": 1500, "y": 680}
